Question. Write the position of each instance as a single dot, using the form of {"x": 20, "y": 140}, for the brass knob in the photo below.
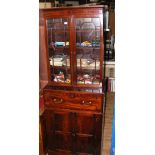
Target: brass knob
{"x": 89, "y": 102}
{"x": 83, "y": 102}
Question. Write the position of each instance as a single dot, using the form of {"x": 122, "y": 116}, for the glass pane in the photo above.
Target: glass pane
{"x": 88, "y": 50}
{"x": 58, "y": 50}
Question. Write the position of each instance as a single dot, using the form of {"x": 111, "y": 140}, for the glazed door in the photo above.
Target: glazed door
{"x": 89, "y": 50}
{"x": 58, "y": 44}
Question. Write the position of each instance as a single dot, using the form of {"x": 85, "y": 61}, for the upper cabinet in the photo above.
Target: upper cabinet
{"x": 74, "y": 46}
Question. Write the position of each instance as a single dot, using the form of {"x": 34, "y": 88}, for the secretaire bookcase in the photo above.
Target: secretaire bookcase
{"x": 71, "y": 76}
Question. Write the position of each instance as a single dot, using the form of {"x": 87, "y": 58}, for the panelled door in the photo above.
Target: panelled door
{"x": 59, "y": 129}
{"x": 73, "y": 133}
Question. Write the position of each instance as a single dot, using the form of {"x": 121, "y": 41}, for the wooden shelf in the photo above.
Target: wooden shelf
{"x": 60, "y": 67}
{"x": 59, "y": 47}
{"x": 61, "y": 30}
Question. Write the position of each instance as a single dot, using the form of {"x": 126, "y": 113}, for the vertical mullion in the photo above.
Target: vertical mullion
{"x": 73, "y": 49}
{"x": 101, "y": 47}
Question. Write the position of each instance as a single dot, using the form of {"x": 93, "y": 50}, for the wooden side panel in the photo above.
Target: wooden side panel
{"x": 41, "y": 149}
{"x": 43, "y": 73}
{"x": 42, "y": 135}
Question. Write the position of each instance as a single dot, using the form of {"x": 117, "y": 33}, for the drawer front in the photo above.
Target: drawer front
{"x": 73, "y": 100}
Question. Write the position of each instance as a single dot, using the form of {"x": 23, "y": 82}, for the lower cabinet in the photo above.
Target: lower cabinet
{"x": 73, "y": 133}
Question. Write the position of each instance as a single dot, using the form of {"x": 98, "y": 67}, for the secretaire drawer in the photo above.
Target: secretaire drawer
{"x": 73, "y": 100}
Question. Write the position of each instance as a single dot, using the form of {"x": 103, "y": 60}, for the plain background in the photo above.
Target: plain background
{"x": 19, "y": 77}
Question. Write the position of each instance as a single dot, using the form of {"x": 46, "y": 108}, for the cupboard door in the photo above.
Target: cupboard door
{"x": 73, "y": 132}
{"x": 88, "y": 133}
{"x": 89, "y": 57}
{"x": 58, "y": 43}
{"x": 59, "y": 131}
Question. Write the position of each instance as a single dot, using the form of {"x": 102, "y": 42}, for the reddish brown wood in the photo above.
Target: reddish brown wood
{"x": 73, "y": 132}
{"x": 43, "y": 72}
{"x": 40, "y": 140}
{"x": 71, "y": 14}
{"x": 73, "y": 100}
{"x": 42, "y": 136}
{"x": 59, "y": 152}
{"x": 73, "y": 116}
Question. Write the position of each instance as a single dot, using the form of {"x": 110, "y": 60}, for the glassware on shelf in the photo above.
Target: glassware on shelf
{"x": 61, "y": 77}
{"x": 95, "y": 43}
{"x": 86, "y": 44}
{"x": 87, "y": 62}
{"x": 59, "y": 43}
{"x": 60, "y": 60}
{"x": 88, "y": 79}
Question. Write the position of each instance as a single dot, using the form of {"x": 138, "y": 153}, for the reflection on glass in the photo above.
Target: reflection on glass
{"x": 88, "y": 50}
{"x": 87, "y": 32}
{"x": 58, "y": 50}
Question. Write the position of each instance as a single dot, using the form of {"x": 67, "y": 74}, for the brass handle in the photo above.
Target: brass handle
{"x": 86, "y": 102}
{"x": 55, "y": 100}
